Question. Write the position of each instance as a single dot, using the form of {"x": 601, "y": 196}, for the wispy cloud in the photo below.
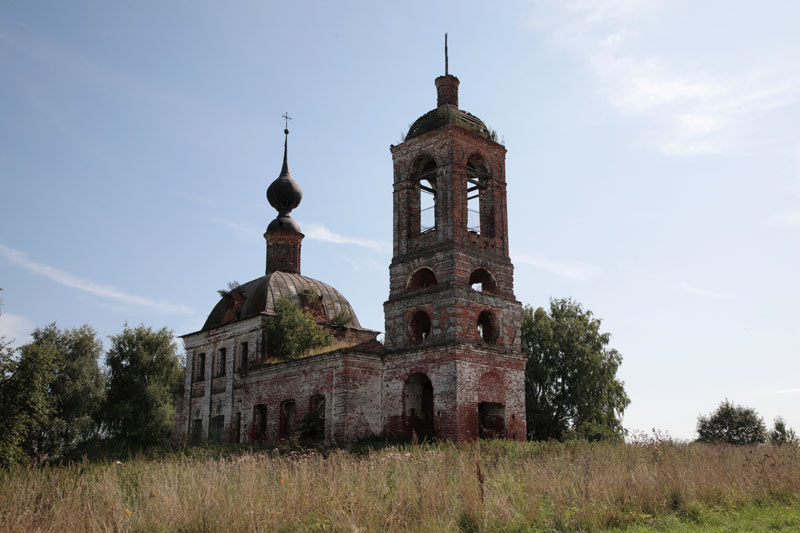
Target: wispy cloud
{"x": 321, "y": 233}
{"x": 571, "y": 270}
{"x": 686, "y": 287}
{"x": 104, "y": 291}
{"x": 790, "y": 217}
{"x": 316, "y": 232}
{"x": 242, "y": 231}
{"x": 686, "y": 107}
{"x": 788, "y": 391}
{"x": 786, "y": 218}
{"x": 16, "y": 328}
{"x": 692, "y": 110}
{"x": 603, "y": 10}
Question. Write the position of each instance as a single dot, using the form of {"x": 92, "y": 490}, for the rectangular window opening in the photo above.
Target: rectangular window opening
{"x": 221, "y": 362}
{"x": 243, "y": 357}
{"x": 216, "y": 429}
{"x": 201, "y": 367}
{"x": 197, "y": 431}
{"x": 287, "y": 424}
{"x": 260, "y": 422}
{"x": 491, "y": 420}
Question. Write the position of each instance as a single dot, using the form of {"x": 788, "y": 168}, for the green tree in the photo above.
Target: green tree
{"x": 292, "y": 332}
{"x": 144, "y": 372}
{"x": 732, "y": 424}
{"x": 24, "y": 378}
{"x": 76, "y": 390}
{"x": 24, "y": 403}
{"x": 571, "y": 385}
{"x": 781, "y": 434}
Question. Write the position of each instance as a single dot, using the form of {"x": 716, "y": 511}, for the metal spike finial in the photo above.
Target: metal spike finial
{"x": 445, "y": 56}
{"x": 285, "y": 169}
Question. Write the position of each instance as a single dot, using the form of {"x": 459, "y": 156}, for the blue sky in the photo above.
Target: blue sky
{"x": 653, "y": 167}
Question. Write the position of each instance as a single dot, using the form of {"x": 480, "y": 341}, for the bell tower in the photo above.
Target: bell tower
{"x": 452, "y": 321}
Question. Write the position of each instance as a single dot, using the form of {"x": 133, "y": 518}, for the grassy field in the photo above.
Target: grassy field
{"x": 483, "y": 486}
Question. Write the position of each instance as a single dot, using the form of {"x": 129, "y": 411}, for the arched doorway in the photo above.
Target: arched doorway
{"x": 418, "y": 400}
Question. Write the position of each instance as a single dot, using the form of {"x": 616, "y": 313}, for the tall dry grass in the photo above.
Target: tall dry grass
{"x": 443, "y": 487}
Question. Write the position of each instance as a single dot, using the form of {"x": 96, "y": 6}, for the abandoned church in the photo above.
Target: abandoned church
{"x": 450, "y": 365}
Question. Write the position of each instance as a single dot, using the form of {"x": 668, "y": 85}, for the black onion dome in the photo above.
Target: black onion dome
{"x": 444, "y": 115}
{"x": 284, "y": 194}
{"x": 286, "y": 222}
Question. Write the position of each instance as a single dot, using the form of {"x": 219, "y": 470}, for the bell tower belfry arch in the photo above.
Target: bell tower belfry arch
{"x": 452, "y": 317}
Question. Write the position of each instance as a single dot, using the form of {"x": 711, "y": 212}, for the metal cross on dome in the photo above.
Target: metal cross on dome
{"x": 286, "y": 119}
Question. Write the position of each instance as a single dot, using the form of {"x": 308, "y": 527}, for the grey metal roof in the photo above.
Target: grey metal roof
{"x": 261, "y": 294}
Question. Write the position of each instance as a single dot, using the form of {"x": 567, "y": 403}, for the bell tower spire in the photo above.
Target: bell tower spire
{"x": 283, "y": 234}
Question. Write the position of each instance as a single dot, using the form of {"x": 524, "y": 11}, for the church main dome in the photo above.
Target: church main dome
{"x": 259, "y": 296}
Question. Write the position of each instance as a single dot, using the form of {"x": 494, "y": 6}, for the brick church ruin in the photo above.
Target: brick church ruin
{"x": 450, "y": 365}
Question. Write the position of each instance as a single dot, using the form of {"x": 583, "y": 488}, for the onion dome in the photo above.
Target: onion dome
{"x": 284, "y": 194}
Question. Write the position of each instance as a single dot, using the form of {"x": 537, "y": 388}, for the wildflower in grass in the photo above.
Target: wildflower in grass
{"x": 127, "y": 512}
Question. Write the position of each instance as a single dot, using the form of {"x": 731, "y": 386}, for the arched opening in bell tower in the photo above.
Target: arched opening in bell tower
{"x": 481, "y": 280}
{"x": 422, "y": 278}
{"x": 420, "y": 327}
{"x": 487, "y": 328}
{"x": 479, "y": 207}
{"x": 422, "y": 207}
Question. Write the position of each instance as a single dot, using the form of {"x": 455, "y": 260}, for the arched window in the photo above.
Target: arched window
{"x": 481, "y": 280}
{"x": 422, "y": 278}
{"x": 418, "y": 403}
{"x": 487, "y": 328}
{"x": 420, "y": 327}
{"x": 422, "y": 203}
{"x": 479, "y": 204}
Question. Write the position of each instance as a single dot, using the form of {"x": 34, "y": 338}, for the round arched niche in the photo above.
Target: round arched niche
{"x": 476, "y": 161}
{"x": 420, "y": 327}
{"x": 481, "y": 280}
{"x": 487, "y": 327}
{"x": 422, "y": 278}
{"x": 423, "y": 164}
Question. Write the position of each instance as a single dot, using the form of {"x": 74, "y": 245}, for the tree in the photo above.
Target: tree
{"x": 144, "y": 372}
{"x": 780, "y": 434}
{"x": 24, "y": 377}
{"x": 76, "y": 390}
{"x": 732, "y": 424}
{"x": 571, "y": 385}
{"x": 291, "y": 331}
{"x": 24, "y": 403}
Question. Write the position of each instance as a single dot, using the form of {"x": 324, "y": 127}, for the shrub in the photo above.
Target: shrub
{"x": 732, "y": 424}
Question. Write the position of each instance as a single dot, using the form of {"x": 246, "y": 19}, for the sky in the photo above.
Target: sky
{"x": 653, "y": 167}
